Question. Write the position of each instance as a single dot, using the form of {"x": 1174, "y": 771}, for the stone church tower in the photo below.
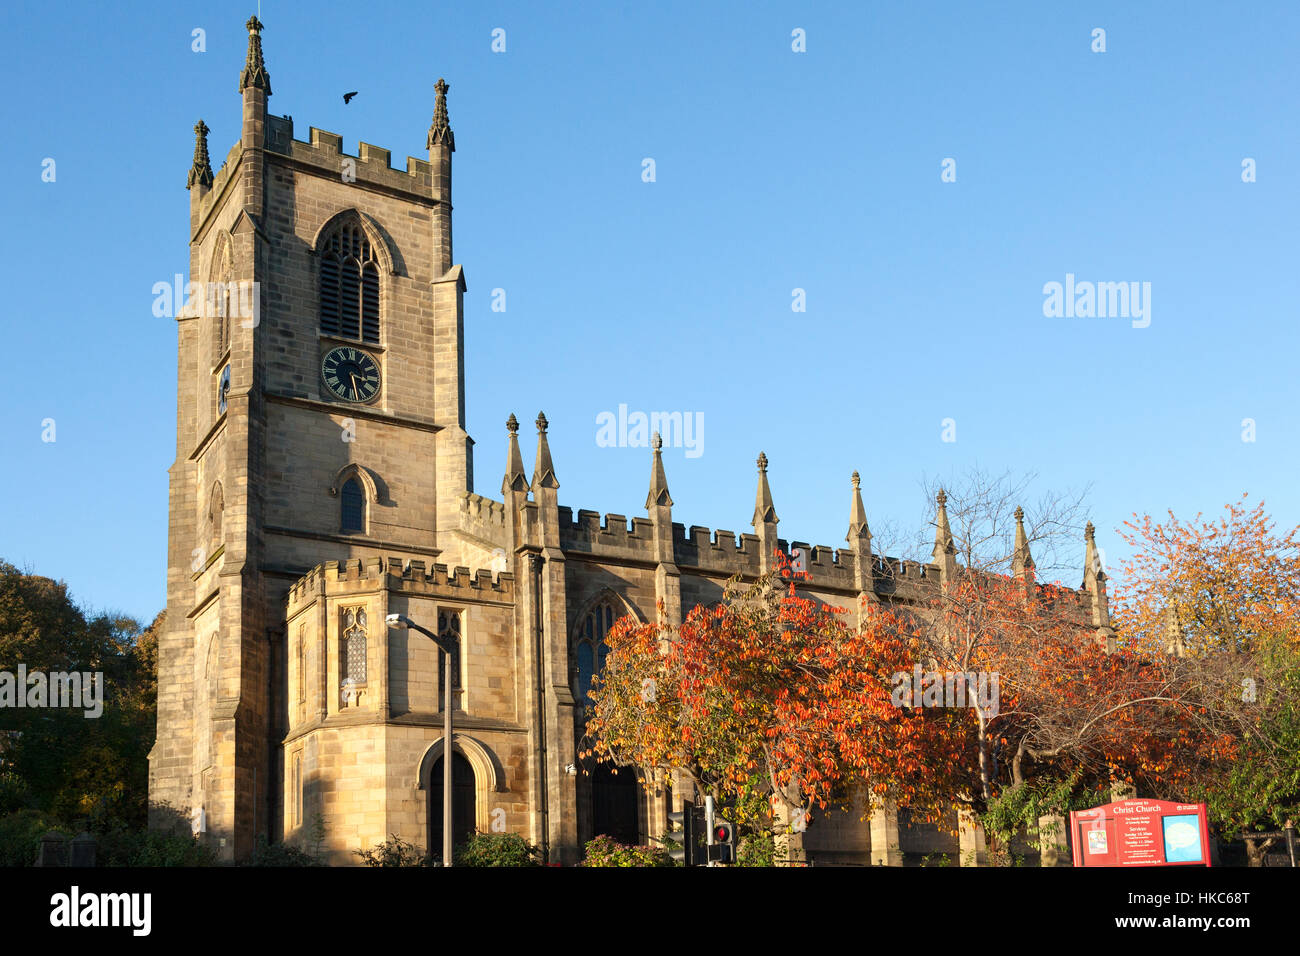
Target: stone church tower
{"x": 324, "y": 479}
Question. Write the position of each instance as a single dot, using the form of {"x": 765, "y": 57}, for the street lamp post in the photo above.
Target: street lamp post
{"x": 447, "y": 645}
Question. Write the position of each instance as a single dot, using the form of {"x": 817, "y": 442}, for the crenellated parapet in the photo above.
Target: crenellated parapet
{"x": 612, "y": 536}
{"x": 904, "y": 580}
{"x": 483, "y": 518}
{"x": 721, "y": 552}
{"x": 717, "y": 551}
{"x": 397, "y": 574}
{"x": 323, "y": 152}
{"x": 829, "y": 566}
{"x": 853, "y": 572}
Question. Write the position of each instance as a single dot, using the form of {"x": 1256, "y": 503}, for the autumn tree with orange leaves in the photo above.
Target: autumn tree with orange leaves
{"x": 1223, "y": 599}
{"x": 1073, "y": 714}
{"x": 770, "y": 694}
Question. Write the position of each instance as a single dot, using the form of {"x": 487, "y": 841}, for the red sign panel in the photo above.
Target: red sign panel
{"x": 1141, "y": 833}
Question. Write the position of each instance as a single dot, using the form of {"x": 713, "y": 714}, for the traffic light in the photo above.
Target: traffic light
{"x": 682, "y": 829}
{"x": 699, "y": 837}
{"x": 723, "y": 848}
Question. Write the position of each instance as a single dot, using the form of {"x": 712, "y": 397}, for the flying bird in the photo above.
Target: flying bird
{"x": 347, "y": 97}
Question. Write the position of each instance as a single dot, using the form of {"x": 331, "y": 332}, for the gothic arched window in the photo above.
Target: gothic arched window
{"x": 353, "y": 663}
{"x": 449, "y": 626}
{"x": 216, "y": 506}
{"x": 353, "y": 506}
{"x": 217, "y": 297}
{"x": 349, "y": 285}
{"x": 302, "y": 672}
{"x": 589, "y": 647}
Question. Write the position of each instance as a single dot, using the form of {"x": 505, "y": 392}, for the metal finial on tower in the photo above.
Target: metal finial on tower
{"x": 440, "y": 133}
{"x": 201, "y": 169}
{"x": 254, "y": 73}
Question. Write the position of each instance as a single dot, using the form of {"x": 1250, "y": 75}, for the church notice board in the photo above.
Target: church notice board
{"x": 1141, "y": 833}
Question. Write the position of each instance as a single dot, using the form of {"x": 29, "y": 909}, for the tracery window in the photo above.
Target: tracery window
{"x": 589, "y": 647}
{"x": 354, "y": 647}
{"x": 449, "y": 626}
{"x": 302, "y": 672}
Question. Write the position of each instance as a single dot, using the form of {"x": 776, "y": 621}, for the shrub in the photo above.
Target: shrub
{"x": 20, "y": 836}
{"x": 606, "y": 851}
{"x": 123, "y": 847}
{"x": 14, "y": 794}
{"x": 280, "y": 854}
{"x": 759, "y": 848}
{"x": 498, "y": 849}
{"x": 395, "y": 852}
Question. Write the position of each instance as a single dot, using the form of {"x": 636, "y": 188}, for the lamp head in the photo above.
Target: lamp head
{"x": 398, "y": 621}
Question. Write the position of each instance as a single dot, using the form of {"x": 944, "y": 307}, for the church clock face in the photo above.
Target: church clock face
{"x": 350, "y": 374}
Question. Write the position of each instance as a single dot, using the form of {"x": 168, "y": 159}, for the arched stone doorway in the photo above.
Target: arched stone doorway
{"x": 463, "y": 803}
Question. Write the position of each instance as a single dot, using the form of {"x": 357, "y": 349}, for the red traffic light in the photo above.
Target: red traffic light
{"x": 722, "y": 833}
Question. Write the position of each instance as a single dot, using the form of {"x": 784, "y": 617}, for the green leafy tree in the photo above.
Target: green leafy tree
{"x": 85, "y": 771}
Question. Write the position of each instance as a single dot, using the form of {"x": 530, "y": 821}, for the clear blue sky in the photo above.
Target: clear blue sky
{"x": 775, "y": 170}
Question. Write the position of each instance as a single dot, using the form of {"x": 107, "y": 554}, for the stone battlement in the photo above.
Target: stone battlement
{"x": 716, "y": 550}
{"x": 410, "y": 576}
{"x": 324, "y": 151}
{"x": 723, "y": 552}
{"x": 483, "y": 517}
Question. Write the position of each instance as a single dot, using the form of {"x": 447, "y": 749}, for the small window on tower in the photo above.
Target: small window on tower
{"x": 354, "y": 507}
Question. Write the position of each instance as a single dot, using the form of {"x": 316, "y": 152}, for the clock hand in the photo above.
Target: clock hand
{"x": 355, "y": 389}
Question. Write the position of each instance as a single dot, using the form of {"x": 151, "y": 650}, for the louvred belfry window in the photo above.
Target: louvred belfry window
{"x": 349, "y": 286}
